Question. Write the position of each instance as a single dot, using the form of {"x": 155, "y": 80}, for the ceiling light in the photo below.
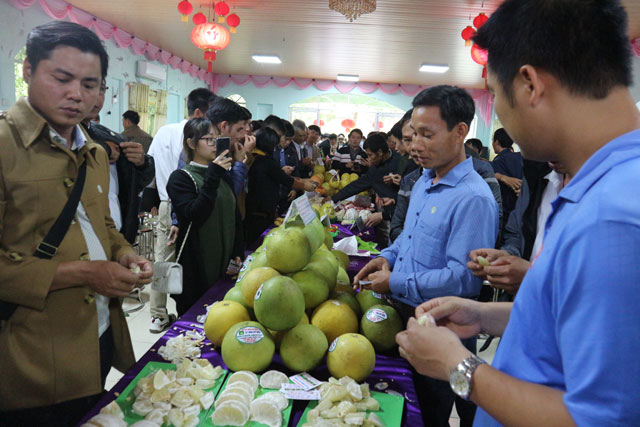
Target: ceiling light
{"x": 351, "y": 9}
{"x": 348, "y": 78}
{"x": 434, "y": 68}
{"x": 267, "y": 59}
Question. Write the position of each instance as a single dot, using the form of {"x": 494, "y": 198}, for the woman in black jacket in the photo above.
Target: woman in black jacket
{"x": 210, "y": 226}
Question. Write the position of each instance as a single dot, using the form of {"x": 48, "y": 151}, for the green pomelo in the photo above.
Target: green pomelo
{"x": 278, "y": 335}
{"x": 328, "y": 239}
{"x": 342, "y": 258}
{"x": 279, "y": 303}
{"x": 315, "y": 233}
{"x": 380, "y": 324}
{"x": 252, "y": 281}
{"x": 313, "y": 287}
{"x": 303, "y": 347}
{"x": 368, "y": 299}
{"x": 348, "y": 299}
{"x": 288, "y": 250}
{"x": 247, "y": 346}
{"x": 235, "y": 294}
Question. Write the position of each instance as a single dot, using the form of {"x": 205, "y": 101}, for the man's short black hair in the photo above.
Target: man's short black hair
{"x": 315, "y": 128}
{"x": 43, "y": 39}
{"x": 255, "y": 125}
{"x": 456, "y": 105}
{"x": 132, "y": 116}
{"x": 226, "y": 110}
{"x": 582, "y": 43}
{"x": 266, "y": 140}
{"x": 289, "y": 131}
{"x": 376, "y": 142}
{"x": 475, "y": 143}
{"x": 299, "y": 124}
{"x": 275, "y": 123}
{"x": 200, "y": 99}
{"x": 248, "y": 113}
{"x": 503, "y": 138}
{"x": 333, "y": 136}
{"x": 396, "y": 130}
{"x": 356, "y": 130}
{"x": 406, "y": 117}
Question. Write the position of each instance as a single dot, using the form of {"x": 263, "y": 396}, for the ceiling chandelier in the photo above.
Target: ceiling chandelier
{"x": 351, "y": 9}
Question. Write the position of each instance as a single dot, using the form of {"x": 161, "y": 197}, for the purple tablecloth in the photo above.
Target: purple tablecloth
{"x": 394, "y": 371}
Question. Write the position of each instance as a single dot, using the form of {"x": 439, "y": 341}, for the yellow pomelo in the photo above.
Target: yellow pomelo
{"x": 289, "y": 250}
{"x": 222, "y": 316}
{"x": 380, "y": 324}
{"x": 348, "y": 299}
{"x": 334, "y": 318}
{"x": 247, "y": 346}
{"x": 303, "y": 347}
{"x": 279, "y": 303}
{"x": 351, "y": 355}
{"x": 252, "y": 281}
{"x": 235, "y": 294}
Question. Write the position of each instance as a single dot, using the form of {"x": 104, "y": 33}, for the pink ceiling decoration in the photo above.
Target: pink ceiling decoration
{"x": 60, "y": 9}
{"x": 482, "y": 98}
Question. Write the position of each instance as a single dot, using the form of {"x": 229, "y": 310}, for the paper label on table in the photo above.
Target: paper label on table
{"x": 333, "y": 345}
{"x": 376, "y": 315}
{"x": 302, "y": 394}
{"x": 258, "y": 294}
{"x": 249, "y": 335}
{"x": 305, "y": 381}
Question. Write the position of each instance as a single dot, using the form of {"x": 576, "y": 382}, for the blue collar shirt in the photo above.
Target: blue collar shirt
{"x": 575, "y": 323}
{"x": 444, "y": 222}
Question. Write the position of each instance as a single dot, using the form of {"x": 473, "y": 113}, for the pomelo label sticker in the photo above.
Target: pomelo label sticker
{"x": 333, "y": 345}
{"x": 246, "y": 262}
{"x": 376, "y": 295}
{"x": 258, "y": 293}
{"x": 376, "y": 315}
{"x": 241, "y": 276}
{"x": 249, "y": 335}
{"x": 335, "y": 302}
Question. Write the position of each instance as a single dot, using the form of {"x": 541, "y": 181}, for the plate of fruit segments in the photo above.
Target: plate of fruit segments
{"x": 127, "y": 397}
{"x": 286, "y": 412}
{"x": 390, "y": 413}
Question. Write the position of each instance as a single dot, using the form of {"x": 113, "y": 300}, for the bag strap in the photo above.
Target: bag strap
{"x": 189, "y": 227}
{"x": 49, "y": 245}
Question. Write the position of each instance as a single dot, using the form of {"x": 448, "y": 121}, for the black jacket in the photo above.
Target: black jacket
{"x": 374, "y": 179}
{"x": 131, "y": 178}
{"x": 521, "y": 229}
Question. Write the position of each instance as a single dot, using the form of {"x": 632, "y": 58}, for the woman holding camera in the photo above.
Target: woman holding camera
{"x": 202, "y": 197}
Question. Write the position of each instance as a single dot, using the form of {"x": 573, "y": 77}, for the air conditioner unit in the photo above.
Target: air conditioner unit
{"x": 151, "y": 71}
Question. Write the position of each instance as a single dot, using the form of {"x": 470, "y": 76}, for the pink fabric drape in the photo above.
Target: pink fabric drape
{"x": 635, "y": 45}
{"x": 60, "y": 9}
{"x": 482, "y": 98}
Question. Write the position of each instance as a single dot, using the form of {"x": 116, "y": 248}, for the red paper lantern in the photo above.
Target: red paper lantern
{"x": 221, "y": 9}
{"x": 185, "y": 8}
{"x": 467, "y": 34}
{"x": 348, "y": 123}
{"x": 479, "y": 55}
{"x": 380, "y": 125}
{"x": 480, "y": 20}
{"x": 315, "y": 122}
{"x": 233, "y": 20}
{"x": 210, "y": 37}
{"x": 199, "y": 18}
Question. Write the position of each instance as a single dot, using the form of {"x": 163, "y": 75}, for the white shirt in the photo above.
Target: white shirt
{"x": 551, "y": 191}
{"x": 166, "y": 149}
{"x": 96, "y": 251}
{"x": 114, "y": 202}
{"x": 297, "y": 146}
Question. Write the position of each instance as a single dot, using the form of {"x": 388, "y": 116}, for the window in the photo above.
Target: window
{"x": 21, "y": 85}
{"x": 238, "y": 99}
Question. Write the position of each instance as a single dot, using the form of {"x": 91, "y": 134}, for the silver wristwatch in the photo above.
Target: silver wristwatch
{"x": 460, "y": 376}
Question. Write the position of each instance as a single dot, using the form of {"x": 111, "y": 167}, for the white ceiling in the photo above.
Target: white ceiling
{"x": 313, "y": 41}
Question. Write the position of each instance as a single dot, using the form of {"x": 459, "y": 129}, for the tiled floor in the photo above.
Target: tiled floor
{"x": 142, "y": 340}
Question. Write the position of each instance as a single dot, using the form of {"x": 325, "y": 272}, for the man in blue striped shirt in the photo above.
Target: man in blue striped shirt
{"x": 451, "y": 210}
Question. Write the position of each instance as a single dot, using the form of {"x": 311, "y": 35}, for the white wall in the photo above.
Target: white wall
{"x": 16, "y": 24}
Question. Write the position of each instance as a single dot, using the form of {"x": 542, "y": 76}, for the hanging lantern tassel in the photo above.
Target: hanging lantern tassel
{"x": 210, "y": 55}
{"x": 484, "y": 72}
{"x": 233, "y": 20}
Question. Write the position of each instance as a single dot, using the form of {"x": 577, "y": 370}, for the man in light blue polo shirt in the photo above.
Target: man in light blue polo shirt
{"x": 451, "y": 209}
{"x": 570, "y": 341}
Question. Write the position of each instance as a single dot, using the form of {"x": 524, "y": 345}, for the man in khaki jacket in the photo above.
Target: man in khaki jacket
{"x": 68, "y": 327}
{"x": 130, "y": 121}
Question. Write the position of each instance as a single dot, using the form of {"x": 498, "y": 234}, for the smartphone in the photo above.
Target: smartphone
{"x": 222, "y": 143}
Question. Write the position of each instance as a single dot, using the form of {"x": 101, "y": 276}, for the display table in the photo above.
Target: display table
{"x": 394, "y": 371}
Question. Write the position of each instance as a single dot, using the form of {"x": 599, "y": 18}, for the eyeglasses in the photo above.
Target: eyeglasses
{"x": 210, "y": 140}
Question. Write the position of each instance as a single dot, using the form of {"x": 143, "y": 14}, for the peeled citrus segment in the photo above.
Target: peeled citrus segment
{"x": 145, "y": 423}
{"x": 273, "y": 379}
{"x": 112, "y": 409}
{"x": 233, "y": 396}
{"x": 182, "y": 399}
{"x": 160, "y": 379}
{"x": 142, "y": 407}
{"x": 245, "y": 376}
{"x": 242, "y": 388}
{"x": 277, "y": 398}
{"x": 207, "y": 400}
{"x": 483, "y": 261}
{"x": 265, "y": 412}
{"x": 176, "y": 417}
{"x": 156, "y": 416}
{"x": 105, "y": 420}
{"x": 230, "y": 414}
{"x": 191, "y": 410}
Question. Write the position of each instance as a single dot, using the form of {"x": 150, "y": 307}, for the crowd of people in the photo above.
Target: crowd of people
{"x": 554, "y": 228}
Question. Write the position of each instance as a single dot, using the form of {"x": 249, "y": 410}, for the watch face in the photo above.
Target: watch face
{"x": 459, "y": 383}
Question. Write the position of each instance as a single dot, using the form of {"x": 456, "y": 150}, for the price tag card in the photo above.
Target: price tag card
{"x": 305, "y": 381}
{"x": 304, "y": 209}
{"x": 299, "y": 394}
